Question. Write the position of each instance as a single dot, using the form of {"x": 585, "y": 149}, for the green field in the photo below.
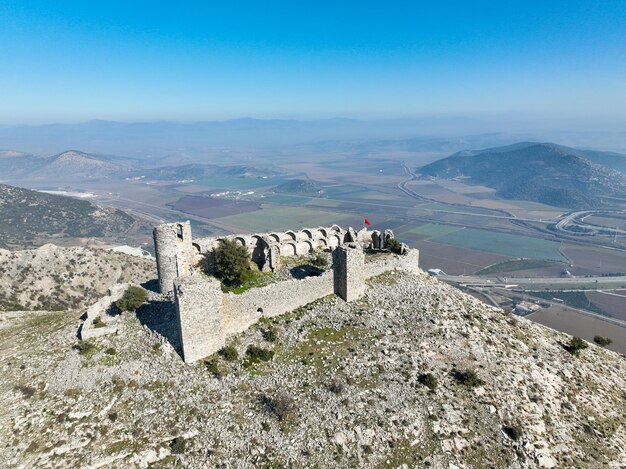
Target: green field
{"x": 271, "y": 218}
{"x": 432, "y": 230}
{"x": 502, "y": 243}
{"x": 285, "y": 199}
{"x": 512, "y": 266}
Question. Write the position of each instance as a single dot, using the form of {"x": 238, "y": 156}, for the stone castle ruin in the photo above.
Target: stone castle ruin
{"x": 206, "y": 316}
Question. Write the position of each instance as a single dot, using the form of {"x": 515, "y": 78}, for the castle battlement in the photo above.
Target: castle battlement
{"x": 206, "y": 316}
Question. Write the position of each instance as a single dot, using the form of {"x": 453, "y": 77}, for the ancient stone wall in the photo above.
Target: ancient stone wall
{"x": 209, "y": 322}
{"x": 199, "y": 313}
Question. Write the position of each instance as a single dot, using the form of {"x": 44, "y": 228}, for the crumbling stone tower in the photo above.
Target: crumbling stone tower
{"x": 174, "y": 253}
{"x": 349, "y": 271}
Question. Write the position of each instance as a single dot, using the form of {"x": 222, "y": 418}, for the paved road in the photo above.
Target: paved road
{"x": 565, "y": 281}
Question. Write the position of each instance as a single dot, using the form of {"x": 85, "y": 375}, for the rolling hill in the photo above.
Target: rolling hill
{"x": 30, "y": 218}
{"x": 539, "y": 172}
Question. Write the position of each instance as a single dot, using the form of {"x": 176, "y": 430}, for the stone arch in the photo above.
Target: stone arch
{"x": 376, "y": 240}
{"x": 336, "y": 228}
{"x": 321, "y": 243}
{"x": 323, "y": 232}
{"x": 305, "y": 234}
{"x": 275, "y": 237}
{"x": 288, "y": 249}
{"x": 258, "y": 248}
{"x": 334, "y": 241}
{"x": 179, "y": 231}
{"x": 197, "y": 247}
{"x": 291, "y": 235}
{"x": 304, "y": 247}
{"x": 241, "y": 240}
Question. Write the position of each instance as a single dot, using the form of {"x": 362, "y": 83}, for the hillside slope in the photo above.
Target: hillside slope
{"x": 73, "y": 164}
{"x": 30, "y": 218}
{"x": 345, "y": 388}
{"x": 539, "y": 172}
{"x": 54, "y": 277}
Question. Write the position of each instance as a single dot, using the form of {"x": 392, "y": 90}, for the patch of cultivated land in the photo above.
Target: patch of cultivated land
{"x": 343, "y": 389}
{"x": 574, "y": 322}
{"x": 454, "y": 260}
{"x": 209, "y": 207}
{"x": 503, "y": 243}
{"x": 613, "y": 302}
{"x": 519, "y": 265}
{"x": 594, "y": 260}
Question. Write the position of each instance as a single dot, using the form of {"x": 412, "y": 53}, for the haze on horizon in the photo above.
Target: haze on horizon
{"x": 558, "y": 63}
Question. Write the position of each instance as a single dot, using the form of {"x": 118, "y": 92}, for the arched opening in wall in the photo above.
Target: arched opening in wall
{"x": 288, "y": 250}
{"x": 179, "y": 231}
{"x": 259, "y": 250}
{"x": 321, "y": 244}
{"x": 304, "y": 247}
{"x": 334, "y": 241}
{"x": 197, "y": 248}
{"x": 275, "y": 237}
{"x": 336, "y": 228}
{"x": 259, "y": 310}
{"x": 291, "y": 235}
{"x": 304, "y": 235}
{"x": 376, "y": 239}
{"x": 241, "y": 241}
{"x": 322, "y": 232}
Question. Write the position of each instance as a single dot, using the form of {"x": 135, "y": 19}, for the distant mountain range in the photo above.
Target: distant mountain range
{"x": 69, "y": 165}
{"x": 31, "y": 218}
{"x": 540, "y": 172}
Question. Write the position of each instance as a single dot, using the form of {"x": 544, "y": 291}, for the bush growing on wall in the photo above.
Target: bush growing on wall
{"x": 393, "y": 245}
{"x": 232, "y": 262}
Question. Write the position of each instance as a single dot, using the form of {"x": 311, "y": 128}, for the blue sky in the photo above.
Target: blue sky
{"x": 67, "y": 61}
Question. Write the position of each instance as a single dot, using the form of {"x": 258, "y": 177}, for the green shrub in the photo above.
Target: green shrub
{"x": 110, "y": 351}
{"x": 393, "y": 245}
{"x": 319, "y": 260}
{"x": 178, "y": 445}
{"x": 132, "y": 299}
{"x": 428, "y": 380}
{"x": 98, "y": 322}
{"x": 576, "y": 344}
{"x": 212, "y": 366}
{"x": 229, "y": 353}
{"x": 602, "y": 341}
{"x": 257, "y": 354}
{"x": 232, "y": 262}
{"x": 282, "y": 405}
{"x": 270, "y": 335}
{"x": 468, "y": 378}
{"x": 86, "y": 348}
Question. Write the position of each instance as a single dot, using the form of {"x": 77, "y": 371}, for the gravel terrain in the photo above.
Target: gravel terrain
{"x": 382, "y": 382}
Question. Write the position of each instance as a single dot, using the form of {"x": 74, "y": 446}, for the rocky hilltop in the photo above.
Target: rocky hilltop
{"x": 539, "y": 172}
{"x": 414, "y": 374}
{"x": 53, "y": 277}
{"x": 31, "y": 218}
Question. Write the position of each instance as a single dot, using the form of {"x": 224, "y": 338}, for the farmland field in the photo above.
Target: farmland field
{"x": 568, "y": 320}
{"x": 594, "y": 260}
{"x": 454, "y": 260}
{"x": 271, "y": 218}
{"x": 432, "y": 230}
{"x": 517, "y": 265}
{"x": 613, "y": 302}
{"x": 209, "y": 207}
{"x": 503, "y": 243}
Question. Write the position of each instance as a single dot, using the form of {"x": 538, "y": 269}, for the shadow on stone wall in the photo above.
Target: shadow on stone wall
{"x": 160, "y": 317}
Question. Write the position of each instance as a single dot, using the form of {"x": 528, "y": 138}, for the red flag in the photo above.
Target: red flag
{"x": 367, "y": 222}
